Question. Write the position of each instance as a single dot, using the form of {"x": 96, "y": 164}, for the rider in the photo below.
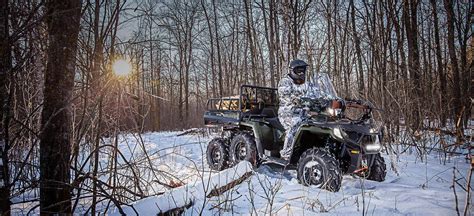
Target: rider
{"x": 290, "y": 89}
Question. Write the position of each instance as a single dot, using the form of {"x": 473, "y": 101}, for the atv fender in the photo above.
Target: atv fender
{"x": 321, "y": 130}
{"x": 257, "y": 133}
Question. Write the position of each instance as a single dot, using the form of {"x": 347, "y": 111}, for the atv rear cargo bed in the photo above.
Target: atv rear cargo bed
{"x": 253, "y": 102}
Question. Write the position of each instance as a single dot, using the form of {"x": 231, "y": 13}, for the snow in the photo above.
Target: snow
{"x": 186, "y": 194}
{"x": 412, "y": 186}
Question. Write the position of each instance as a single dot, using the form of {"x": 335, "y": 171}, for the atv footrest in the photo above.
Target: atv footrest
{"x": 274, "y": 160}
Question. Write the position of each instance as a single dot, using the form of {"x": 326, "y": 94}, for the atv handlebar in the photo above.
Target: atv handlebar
{"x": 311, "y": 107}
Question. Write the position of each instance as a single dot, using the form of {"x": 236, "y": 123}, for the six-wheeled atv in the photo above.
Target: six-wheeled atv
{"x": 328, "y": 143}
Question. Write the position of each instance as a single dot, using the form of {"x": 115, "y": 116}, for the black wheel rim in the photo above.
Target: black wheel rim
{"x": 240, "y": 152}
{"x": 215, "y": 155}
{"x": 313, "y": 173}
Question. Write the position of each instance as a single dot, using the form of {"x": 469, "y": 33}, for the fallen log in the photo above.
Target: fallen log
{"x": 177, "y": 200}
{"x": 219, "y": 191}
{"x": 192, "y": 131}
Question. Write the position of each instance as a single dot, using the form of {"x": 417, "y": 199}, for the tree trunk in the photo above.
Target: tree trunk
{"x": 441, "y": 76}
{"x": 253, "y": 51}
{"x": 329, "y": 25}
{"x": 5, "y": 74}
{"x": 358, "y": 50}
{"x": 410, "y": 19}
{"x": 211, "y": 47}
{"x": 294, "y": 30}
{"x": 269, "y": 36}
{"x": 448, "y": 5}
{"x": 218, "y": 48}
{"x": 63, "y": 18}
{"x": 278, "y": 52}
{"x": 463, "y": 36}
{"x": 96, "y": 85}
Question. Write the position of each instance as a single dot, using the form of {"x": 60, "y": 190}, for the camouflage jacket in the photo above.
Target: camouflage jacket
{"x": 288, "y": 93}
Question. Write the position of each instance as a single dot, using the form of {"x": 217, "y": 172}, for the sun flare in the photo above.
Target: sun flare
{"x": 122, "y": 67}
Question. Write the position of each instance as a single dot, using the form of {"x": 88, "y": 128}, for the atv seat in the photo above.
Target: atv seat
{"x": 269, "y": 112}
{"x": 275, "y": 123}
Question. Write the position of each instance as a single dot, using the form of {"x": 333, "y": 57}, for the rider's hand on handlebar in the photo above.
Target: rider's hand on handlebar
{"x": 312, "y": 113}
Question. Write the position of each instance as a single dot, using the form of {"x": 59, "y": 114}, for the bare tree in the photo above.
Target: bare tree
{"x": 457, "y": 103}
{"x": 356, "y": 38}
{"x": 5, "y": 78}
{"x": 63, "y": 27}
{"x": 439, "y": 63}
{"x": 411, "y": 28}
{"x": 251, "y": 41}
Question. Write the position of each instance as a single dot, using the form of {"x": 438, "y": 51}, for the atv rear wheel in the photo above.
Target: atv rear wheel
{"x": 378, "y": 170}
{"x": 319, "y": 167}
{"x": 243, "y": 147}
{"x": 217, "y": 154}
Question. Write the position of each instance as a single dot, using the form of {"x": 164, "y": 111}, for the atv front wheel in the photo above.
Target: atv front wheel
{"x": 217, "y": 154}
{"x": 378, "y": 170}
{"x": 243, "y": 147}
{"x": 319, "y": 167}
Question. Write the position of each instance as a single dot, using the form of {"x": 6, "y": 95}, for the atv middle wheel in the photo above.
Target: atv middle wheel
{"x": 217, "y": 154}
{"x": 243, "y": 147}
{"x": 378, "y": 170}
{"x": 319, "y": 167}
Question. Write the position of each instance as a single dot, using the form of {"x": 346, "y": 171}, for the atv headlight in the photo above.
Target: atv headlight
{"x": 338, "y": 133}
{"x": 373, "y": 146}
{"x": 375, "y": 130}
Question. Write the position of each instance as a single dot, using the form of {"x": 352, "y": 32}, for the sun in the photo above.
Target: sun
{"x": 122, "y": 67}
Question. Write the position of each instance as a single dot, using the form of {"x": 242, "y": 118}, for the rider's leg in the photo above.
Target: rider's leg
{"x": 289, "y": 138}
{"x": 286, "y": 123}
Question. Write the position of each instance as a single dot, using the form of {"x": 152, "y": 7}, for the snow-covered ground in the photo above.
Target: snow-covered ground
{"x": 412, "y": 186}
